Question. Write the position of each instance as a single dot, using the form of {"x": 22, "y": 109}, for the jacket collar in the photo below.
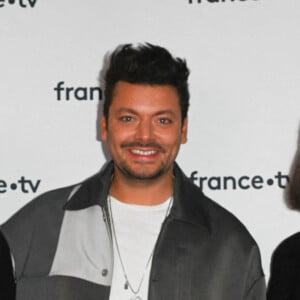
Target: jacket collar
{"x": 93, "y": 191}
{"x": 189, "y": 202}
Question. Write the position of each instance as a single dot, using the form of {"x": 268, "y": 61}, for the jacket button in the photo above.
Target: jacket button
{"x": 104, "y": 272}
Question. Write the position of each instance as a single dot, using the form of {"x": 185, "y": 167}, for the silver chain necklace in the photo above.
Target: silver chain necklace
{"x": 127, "y": 282}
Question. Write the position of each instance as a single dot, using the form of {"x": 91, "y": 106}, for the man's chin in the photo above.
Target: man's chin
{"x": 142, "y": 175}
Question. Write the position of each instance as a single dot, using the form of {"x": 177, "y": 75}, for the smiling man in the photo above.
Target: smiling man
{"x": 144, "y": 130}
{"x": 139, "y": 229}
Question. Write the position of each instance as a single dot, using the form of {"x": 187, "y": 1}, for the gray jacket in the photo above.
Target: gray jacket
{"x": 62, "y": 248}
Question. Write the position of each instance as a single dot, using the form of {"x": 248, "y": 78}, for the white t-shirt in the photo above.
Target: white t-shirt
{"x": 137, "y": 228}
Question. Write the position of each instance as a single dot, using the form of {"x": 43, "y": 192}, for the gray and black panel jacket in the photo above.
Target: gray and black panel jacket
{"x": 62, "y": 248}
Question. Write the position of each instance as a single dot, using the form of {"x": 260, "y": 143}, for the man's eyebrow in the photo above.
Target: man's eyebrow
{"x": 132, "y": 111}
{"x": 165, "y": 112}
{"x": 127, "y": 110}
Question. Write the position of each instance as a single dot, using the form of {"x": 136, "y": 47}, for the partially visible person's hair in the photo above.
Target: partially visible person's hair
{"x": 146, "y": 64}
{"x": 294, "y": 185}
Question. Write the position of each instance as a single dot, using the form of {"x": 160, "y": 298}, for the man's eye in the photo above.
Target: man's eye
{"x": 165, "y": 121}
{"x": 126, "y": 118}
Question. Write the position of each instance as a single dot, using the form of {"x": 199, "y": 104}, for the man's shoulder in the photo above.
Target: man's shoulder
{"x": 226, "y": 223}
{"x": 82, "y": 195}
{"x": 51, "y": 198}
{"x": 220, "y": 222}
{"x": 48, "y": 203}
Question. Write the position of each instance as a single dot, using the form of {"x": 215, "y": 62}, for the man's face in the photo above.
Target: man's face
{"x": 144, "y": 129}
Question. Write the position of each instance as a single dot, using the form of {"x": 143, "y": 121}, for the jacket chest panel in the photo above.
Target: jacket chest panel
{"x": 84, "y": 247}
{"x": 188, "y": 264}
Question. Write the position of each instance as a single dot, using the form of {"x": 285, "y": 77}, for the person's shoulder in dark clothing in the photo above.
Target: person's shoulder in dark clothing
{"x": 284, "y": 283}
{"x": 7, "y": 282}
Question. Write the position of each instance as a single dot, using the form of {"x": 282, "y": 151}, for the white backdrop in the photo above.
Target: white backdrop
{"x": 245, "y": 91}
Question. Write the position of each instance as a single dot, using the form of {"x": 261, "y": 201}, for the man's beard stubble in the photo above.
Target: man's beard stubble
{"x": 130, "y": 174}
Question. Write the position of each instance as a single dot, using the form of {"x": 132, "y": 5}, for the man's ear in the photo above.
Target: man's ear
{"x": 184, "y": 131}
{"x": 103, "y": 128}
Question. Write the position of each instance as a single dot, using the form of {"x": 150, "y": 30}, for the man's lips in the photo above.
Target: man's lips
{"x": 145, "y": 149}
{"x": 143, "y": 152}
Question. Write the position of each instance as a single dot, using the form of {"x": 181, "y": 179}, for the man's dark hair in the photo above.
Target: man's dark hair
{"x": 147, "y": 64}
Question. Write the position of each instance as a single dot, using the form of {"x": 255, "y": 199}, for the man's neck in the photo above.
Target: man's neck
{"x": 142, "y": 192}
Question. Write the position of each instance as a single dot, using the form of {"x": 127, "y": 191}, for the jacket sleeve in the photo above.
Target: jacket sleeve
{"x": 256, "y": 286}
{"x": 7, "y": 281}
{"x": 258, "y": 290}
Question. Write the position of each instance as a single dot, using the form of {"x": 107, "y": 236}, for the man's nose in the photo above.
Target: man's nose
{"x": 144, "y": 130}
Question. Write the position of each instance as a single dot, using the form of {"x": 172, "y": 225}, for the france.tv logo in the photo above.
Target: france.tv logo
{"x": 20, "y": 3}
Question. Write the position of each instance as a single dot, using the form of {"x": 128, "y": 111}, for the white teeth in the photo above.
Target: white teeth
{"x": 140, "y": 152}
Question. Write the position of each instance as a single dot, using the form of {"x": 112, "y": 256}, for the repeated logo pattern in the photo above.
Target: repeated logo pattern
{"x": 23, "y": 185}
{"x": 243, "y": 182}
{"x": 80, "y": 93}
{"x": 19, "y": 3}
